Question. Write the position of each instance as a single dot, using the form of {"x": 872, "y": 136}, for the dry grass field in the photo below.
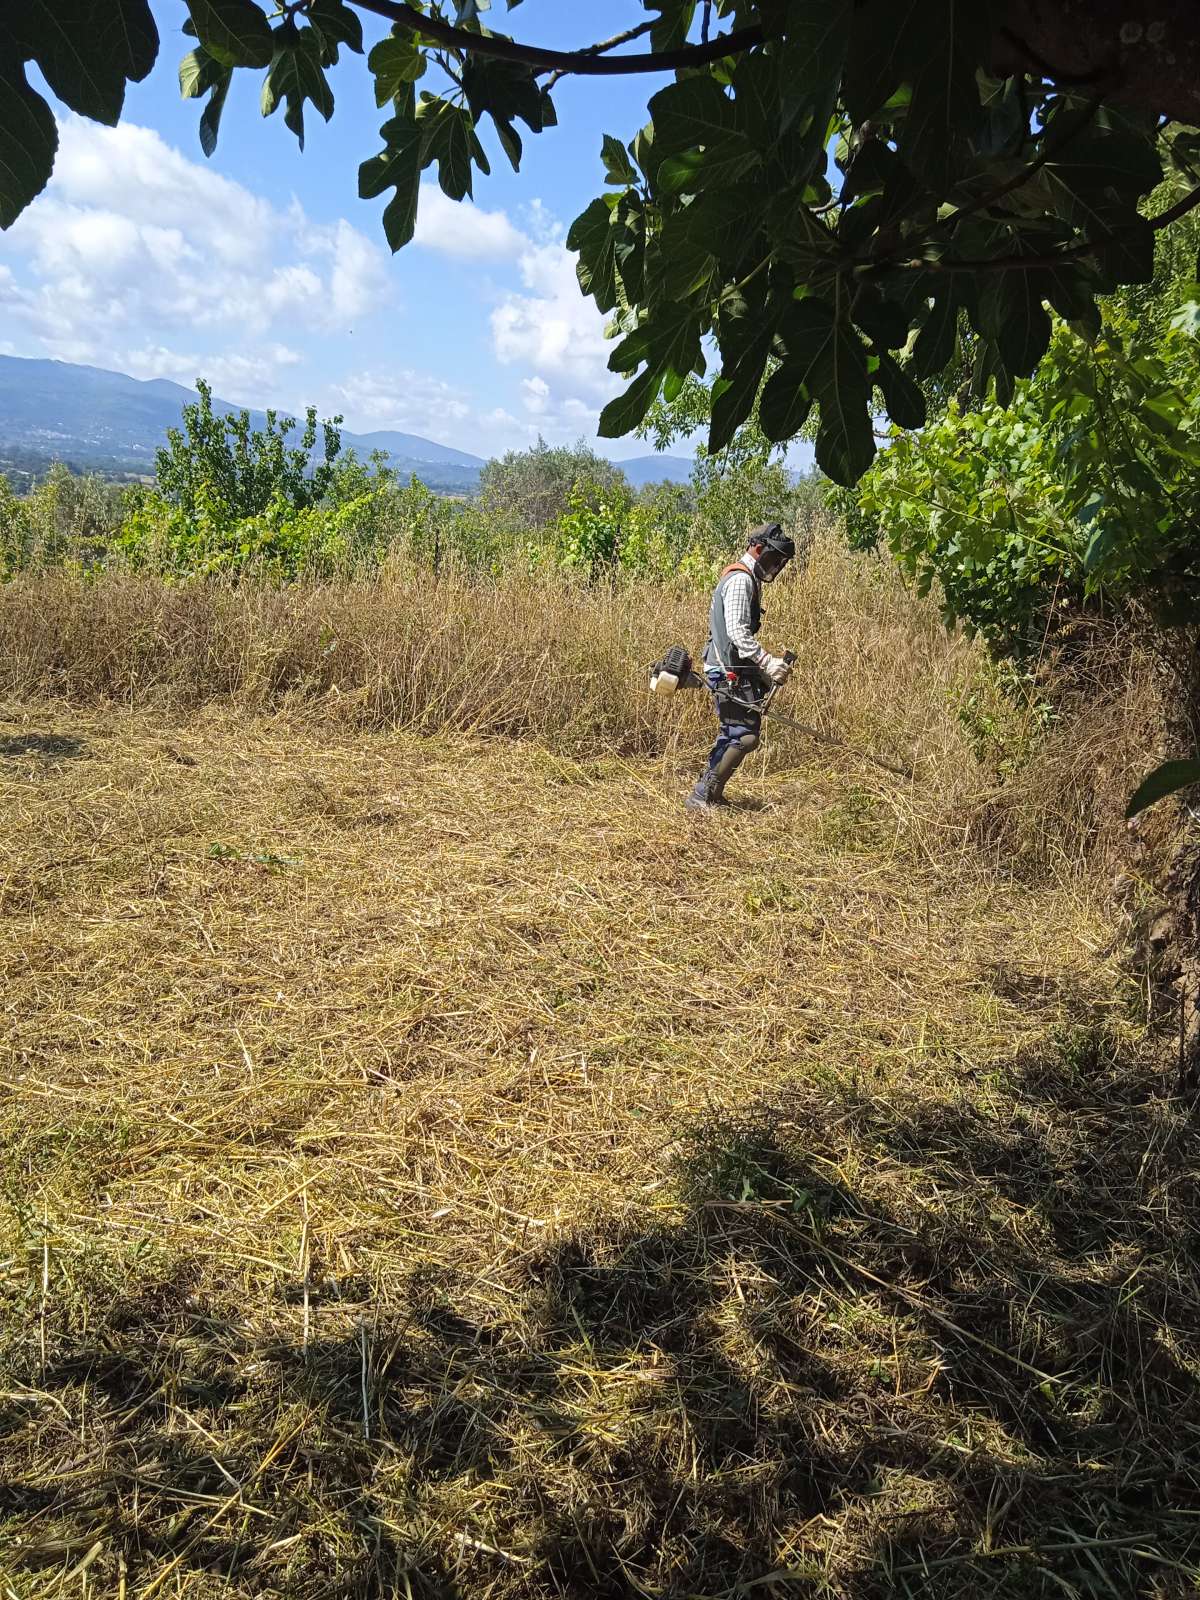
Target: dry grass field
{"x": 433, "y": 1166}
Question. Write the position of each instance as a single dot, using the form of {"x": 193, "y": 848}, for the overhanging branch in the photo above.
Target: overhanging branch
{"x": 582, "y": 63}
{"x": 605, "y": 46}
{"x": 1031, "y": 263}
{"x": 1179, "y": 209}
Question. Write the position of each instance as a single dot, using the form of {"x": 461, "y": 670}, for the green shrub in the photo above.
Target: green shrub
{"x": 530, "y": 489}
{"x": 65, "y": 520}
{"x": 221, "y": 466}
{"x": 1084, "y": 489}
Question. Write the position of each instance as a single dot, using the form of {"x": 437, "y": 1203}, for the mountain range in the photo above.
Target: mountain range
{"x": 102, "y": 421}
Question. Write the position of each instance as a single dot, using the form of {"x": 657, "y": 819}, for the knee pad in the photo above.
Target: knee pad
{"x": 748, "y": 742}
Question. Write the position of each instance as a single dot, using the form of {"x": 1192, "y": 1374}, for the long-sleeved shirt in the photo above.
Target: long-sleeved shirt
{"x": 738, "y": 593}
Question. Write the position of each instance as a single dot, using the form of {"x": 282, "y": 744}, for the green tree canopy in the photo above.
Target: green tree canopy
{"x": 990, "y": 160}
{"x": 532, "y": 487}
{"x": 1081, "y": 494}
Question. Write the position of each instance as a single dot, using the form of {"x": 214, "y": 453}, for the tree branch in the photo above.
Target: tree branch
{"x": 1030, "y": 263}
{"x": 1179, "y": 209}
{"x": 1051, "y": 148}
{"x": 581, "y": 63}
{"x": 605, "y": 46}
{"x": 1047, "y": 70}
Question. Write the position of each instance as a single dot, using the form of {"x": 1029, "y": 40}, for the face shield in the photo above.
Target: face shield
{"x": 773, "y": 550}
{"x": 770, "y": 564}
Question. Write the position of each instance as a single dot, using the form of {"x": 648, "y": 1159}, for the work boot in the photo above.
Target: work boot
{"x": 707, "y": 792}
{"x": 720, "y": 775}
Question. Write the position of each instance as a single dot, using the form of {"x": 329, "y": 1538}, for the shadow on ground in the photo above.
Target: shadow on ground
{"x": 49, "y": 746}
{"x": 935, "y": 1347}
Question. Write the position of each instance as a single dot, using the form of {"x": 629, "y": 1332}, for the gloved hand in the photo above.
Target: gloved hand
{"x": 778, "y": 670}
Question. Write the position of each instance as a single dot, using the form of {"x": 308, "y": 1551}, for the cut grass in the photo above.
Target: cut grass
{"x": 440, "y": 1168}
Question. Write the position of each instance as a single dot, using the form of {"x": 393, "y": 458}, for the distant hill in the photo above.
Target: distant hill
{"x": 102, "y": 421}
{"x": 641, "y": 470}
{"x": 108, "y": 422}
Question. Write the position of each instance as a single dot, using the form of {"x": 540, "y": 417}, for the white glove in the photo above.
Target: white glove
{"x": 777, "y": 670}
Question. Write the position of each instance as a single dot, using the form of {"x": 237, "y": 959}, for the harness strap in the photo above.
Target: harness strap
{"x": 738, "y": 566}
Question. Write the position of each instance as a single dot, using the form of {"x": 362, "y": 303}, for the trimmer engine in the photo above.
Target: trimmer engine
{"x": 674, "y": 672}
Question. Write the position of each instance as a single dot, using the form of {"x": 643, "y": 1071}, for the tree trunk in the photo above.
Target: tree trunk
{"x": 1183, "y": 875}
{"x": 1143, "y": 52}
{"x": 1185, "y": 893}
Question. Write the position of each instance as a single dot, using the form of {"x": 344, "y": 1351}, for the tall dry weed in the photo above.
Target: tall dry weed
{"x": 533, "y": 656}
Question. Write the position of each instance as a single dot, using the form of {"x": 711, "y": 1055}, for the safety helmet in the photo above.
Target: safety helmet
{"x": 772, "y": 537}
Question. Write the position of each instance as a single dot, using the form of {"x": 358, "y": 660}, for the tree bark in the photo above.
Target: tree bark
{"x": 1148, "y": 50}
{"x": 1186, "y": 895}
{"x": 1183, "y": 875}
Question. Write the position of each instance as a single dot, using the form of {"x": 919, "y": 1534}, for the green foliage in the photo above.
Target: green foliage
{"x": 232, "y": 499}
{"x": 606, "y": 531}
{"x": 228, "y": 496}
{"x": 973, "y": 503}
{"x": 65, "y": 521}
{"x": 226, "y": 513}
{"x": 744, "y": 482}
{"x": 588, "y": 534}
{"x": 220, "y": 466}
{"x": 755, "y": 248}
{"x": 1086, "y": 486}
{"x": 280, "y": 540}
{"x": 531, "y": 488}
{"x": 1003, "y": 713}
{"x": 967, "y": 186}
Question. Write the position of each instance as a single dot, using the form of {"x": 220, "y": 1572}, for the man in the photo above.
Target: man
{"x": 736, "y": 667}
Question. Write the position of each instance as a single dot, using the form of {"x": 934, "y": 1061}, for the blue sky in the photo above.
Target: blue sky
{"x": 263, "y": 271}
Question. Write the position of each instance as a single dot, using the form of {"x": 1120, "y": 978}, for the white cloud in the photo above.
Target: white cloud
{"x": 134, "y": 171}
{"x": 540, "y": 223}
{"x": 500, "y": 418}
{"x": 141, "y": 259}
{"x": 131, "y": 240}
{"x": 413, "y": 402}
{"x": 358, "y": 269}
{"x": 535, "y": 393}
{"x": 462, "y": 229}
{"x": 553, "y": 328}
{"x": 244, "y": 378}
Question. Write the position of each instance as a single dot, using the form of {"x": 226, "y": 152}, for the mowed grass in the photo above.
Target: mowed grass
{"x": 441, "y": 1168}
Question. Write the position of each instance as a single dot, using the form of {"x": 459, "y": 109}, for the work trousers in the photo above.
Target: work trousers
{"x": 735, "y": 722}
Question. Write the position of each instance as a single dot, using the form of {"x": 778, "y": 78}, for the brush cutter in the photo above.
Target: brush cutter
{"x": 675, "y": 673}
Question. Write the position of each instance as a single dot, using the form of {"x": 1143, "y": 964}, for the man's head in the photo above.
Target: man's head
{"x": 771, "y": 549}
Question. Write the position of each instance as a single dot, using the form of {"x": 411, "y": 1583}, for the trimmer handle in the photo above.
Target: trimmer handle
{"x": 789, "y": 659}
